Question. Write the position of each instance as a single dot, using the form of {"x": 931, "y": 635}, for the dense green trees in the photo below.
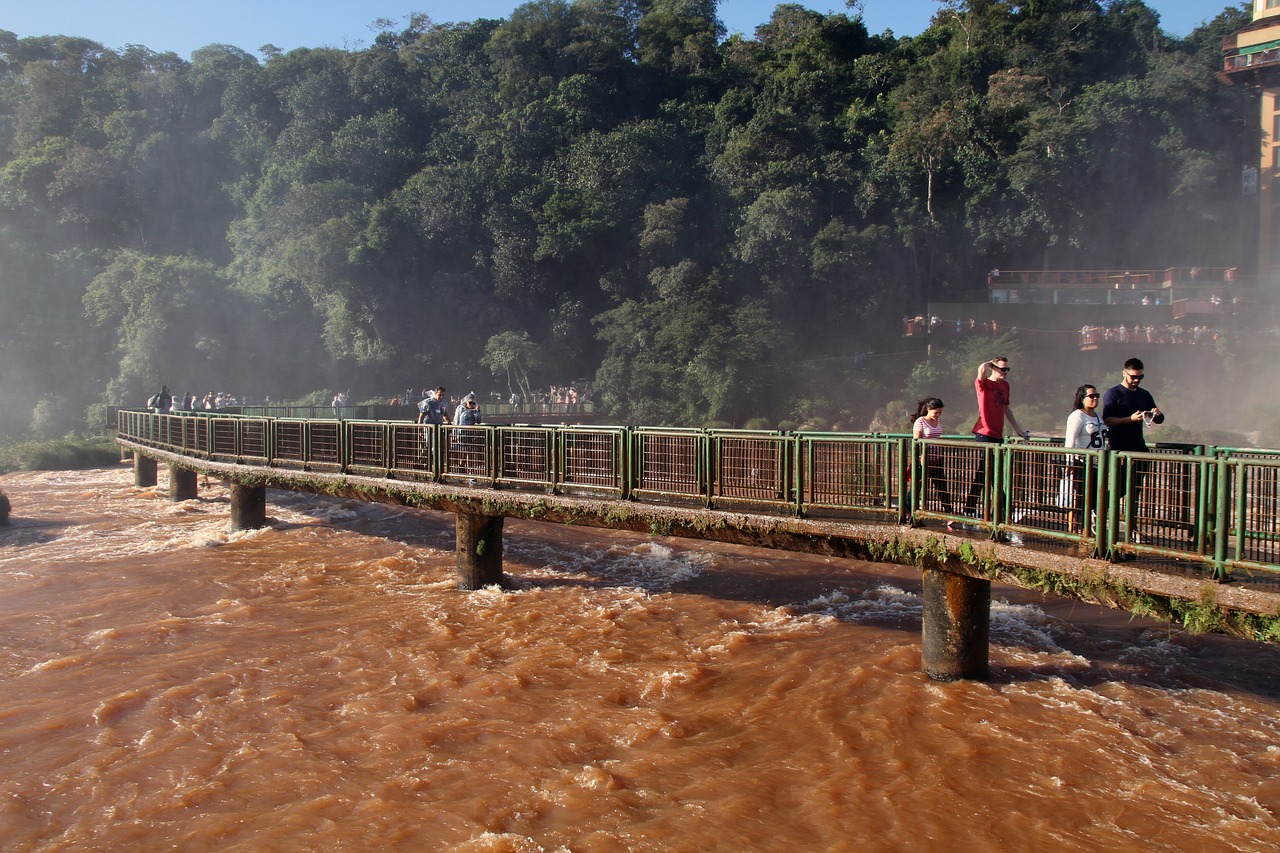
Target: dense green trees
{"x": 706, "y": 227}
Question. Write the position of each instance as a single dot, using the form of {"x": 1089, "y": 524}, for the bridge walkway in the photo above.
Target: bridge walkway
{"x": 838, "y": 495}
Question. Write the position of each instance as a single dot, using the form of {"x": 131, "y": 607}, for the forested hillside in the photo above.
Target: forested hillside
{"x": 710, "y": 229}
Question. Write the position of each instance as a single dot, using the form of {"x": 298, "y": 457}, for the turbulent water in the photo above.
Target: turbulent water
{"x": 320, "y": 685}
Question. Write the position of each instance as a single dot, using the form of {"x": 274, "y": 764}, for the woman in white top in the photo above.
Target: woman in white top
{"x": 928, "y": 424}
{"x": 1085, "y": 429}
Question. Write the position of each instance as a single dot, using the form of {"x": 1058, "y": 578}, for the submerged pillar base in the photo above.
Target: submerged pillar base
{"x": 957, "y": 626}
{"x": 248, "y": 507}
{"x": 182, "y": 484}
{"x": 144, "y": 471}
{"x": 479, "y": 553}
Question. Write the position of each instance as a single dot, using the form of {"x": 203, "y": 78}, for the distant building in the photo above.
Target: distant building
{"x": 1251, "y": 58}
{"x": 1097, "y": 309}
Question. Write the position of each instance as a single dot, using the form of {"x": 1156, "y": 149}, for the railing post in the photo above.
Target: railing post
{"x": 955, "y": 635}
{"x": 1222, "y": 520}
{"x": 911, "y": 474}
{"x": 1001, "y": 493}
{"x": 479, "y": 550}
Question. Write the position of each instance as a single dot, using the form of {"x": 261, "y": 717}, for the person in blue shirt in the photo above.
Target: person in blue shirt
{"x": 434, "y": 409}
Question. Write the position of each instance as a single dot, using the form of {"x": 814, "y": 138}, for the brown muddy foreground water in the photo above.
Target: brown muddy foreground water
{"x": 320, "y": 685}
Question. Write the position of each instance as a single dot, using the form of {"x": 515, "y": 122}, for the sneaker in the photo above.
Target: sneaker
{"x": 1014, "y": 538}
{"x": 472, "y": 482}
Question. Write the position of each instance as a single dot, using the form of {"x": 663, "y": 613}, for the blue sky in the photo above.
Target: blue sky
{"x": 184, "y": 26}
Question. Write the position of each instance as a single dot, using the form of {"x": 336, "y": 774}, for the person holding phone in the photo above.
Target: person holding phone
{"x": 1126, "y": 409}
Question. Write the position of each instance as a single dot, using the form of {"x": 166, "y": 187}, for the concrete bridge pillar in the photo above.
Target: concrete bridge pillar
{"x": 479, "y": 552}
{"x": 957, "y": 626}
{"x": 182, "y": 483}
{"x": 144, "y": 471}
{"x": 248, "y": 507}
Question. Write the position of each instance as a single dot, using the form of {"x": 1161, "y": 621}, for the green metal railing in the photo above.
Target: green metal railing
{"x": 1215, "y": 507}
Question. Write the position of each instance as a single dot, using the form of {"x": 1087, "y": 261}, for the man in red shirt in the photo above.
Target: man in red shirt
{"x": 992, "y": 387}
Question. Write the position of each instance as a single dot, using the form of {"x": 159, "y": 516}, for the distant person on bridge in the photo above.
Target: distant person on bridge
{"x": 434, "y": 408}
{"x": 162, "y": 401}
{"x": 468, "y": 413}
{"x": 471, "y": 443}
{"x": 992, "y": 388}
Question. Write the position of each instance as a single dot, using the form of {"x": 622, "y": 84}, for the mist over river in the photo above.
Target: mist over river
{"x": 320, "y": 685}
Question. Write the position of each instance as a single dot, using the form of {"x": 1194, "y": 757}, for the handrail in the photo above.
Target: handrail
{"x": 1219, "y": 507}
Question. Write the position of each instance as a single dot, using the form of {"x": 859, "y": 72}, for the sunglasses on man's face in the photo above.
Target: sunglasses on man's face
{"x": 1136, "y": 377}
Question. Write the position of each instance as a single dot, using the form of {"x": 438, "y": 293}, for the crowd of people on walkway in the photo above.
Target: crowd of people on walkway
{"x": 164, "y": 402}
{"x": 1115, "y": 419}
{"x": 534, "y": 402}
{"x": 1138, "y": 333}
{"x": 919, "y": 325}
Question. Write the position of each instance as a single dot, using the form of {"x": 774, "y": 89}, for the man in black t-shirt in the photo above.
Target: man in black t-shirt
{"x": 1125, "y": 407}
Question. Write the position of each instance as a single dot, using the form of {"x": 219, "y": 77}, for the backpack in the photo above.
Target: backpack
{"x": 153, "y": 401}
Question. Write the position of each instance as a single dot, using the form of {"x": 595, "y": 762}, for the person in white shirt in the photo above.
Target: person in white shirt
{"x": 1085, "y": 429}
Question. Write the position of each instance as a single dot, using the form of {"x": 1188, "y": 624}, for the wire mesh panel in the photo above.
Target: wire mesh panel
{"x": 526, "y": 455}
{"x": 751, "y": 466}
{"x": 253, "y": 438}
{"x": 323, "y": 444}
{"x": 366, "y": 445}
{"x": 171, "y": 431}
{"x": 1050, "y": 489}
{"x": 1168, "y": 493}
{"x": 1256, "y": 512}
{"x": 591, "y": 459}
{"x": 1161, "y": 502}
{"x": 467, "y": 453}
{"x": 224, "y": 437}
{"x": 976, "y": 472}
{"x": 412, "y": 450}
{"x": 670, "y": 462}
{"x": 290, "y": 443}
{"x": 933, "y": 480}
{"x": 191, "y": 437}
{"x": 849, "y": 472}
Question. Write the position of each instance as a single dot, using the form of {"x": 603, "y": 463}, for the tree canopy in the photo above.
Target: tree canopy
{"x": 706, "y": 227}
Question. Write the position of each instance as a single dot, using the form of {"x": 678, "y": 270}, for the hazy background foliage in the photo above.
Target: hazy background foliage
{"x": 711, "y": 230}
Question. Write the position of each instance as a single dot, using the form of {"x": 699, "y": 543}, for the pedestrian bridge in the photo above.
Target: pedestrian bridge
{"x": 1185, "y": 533}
